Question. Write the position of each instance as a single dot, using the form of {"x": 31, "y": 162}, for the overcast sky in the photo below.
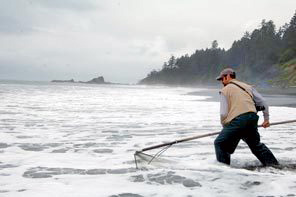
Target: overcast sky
{"x": 122, "y": 40}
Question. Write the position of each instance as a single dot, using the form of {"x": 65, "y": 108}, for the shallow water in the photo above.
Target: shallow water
{"x": 79, "y": 140}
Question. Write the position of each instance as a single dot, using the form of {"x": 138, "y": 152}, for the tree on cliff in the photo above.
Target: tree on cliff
{"x": 255, "y": 55}
{"x": 289, "y": 41}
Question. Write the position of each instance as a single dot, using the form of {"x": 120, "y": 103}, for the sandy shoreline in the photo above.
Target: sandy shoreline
{"x": 273, "y": 96}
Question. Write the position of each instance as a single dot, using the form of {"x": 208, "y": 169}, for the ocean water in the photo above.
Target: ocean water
{"x": 79, "y": 140}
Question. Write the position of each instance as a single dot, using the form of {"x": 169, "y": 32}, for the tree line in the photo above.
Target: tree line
{"x": 258, "y": 56}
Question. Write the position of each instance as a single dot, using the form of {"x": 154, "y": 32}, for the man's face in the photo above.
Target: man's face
{"x": 225, "y": 79}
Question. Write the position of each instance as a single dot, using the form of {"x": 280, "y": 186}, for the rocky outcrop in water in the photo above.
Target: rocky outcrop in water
{"x": 97, "y": 80}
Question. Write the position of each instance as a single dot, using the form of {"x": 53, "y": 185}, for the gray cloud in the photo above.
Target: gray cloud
{"x": 27, "y": 16}
{"x": 75, "y": 5}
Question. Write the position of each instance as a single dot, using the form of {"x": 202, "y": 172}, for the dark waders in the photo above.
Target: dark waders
{"x": 242, "y": 127}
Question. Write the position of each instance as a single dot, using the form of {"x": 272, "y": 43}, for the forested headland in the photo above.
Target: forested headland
{"x": 266, "y": 56}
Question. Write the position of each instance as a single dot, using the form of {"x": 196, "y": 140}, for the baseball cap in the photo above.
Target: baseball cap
{"x": 224, "y": 72}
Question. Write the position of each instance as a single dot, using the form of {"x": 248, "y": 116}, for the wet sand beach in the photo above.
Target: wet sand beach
{"x": 274, "y": 96}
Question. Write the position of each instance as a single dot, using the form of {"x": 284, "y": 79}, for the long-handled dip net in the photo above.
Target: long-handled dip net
{"x": 147, "y": 158}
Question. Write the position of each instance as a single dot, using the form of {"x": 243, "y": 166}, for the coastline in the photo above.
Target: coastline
{"x": 274, "y": 96}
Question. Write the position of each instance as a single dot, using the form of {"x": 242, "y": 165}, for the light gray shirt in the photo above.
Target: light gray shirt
{"x": 257, "y": 97}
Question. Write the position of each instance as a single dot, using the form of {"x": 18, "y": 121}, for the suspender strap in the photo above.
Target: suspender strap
{"x": 258, "y": 107}
{"x": 242, "y": 89}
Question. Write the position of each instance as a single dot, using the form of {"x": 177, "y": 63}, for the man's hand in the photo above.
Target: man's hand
{"x": 265, "y": 124}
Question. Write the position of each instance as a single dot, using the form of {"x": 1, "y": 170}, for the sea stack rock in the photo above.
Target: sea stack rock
{"x": 99, "y": 80}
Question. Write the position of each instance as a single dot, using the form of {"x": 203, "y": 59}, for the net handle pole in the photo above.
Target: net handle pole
{"x": 282, "y": 122}
{"x": 202, "y": 136}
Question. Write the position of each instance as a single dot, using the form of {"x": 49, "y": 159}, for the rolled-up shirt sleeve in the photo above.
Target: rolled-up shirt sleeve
{"x": 223, "y": 106}
{"x": 259, "y": 100}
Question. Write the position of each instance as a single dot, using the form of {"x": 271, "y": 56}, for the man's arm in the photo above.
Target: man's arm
{"x": 259, "y": 100}
{"x": 223, "y": 106}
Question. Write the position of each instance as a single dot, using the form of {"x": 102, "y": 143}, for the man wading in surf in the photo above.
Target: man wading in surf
{"x": 239, "y": 119}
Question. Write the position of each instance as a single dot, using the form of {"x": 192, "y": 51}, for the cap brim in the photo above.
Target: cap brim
{"x": 219, "y": 78}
